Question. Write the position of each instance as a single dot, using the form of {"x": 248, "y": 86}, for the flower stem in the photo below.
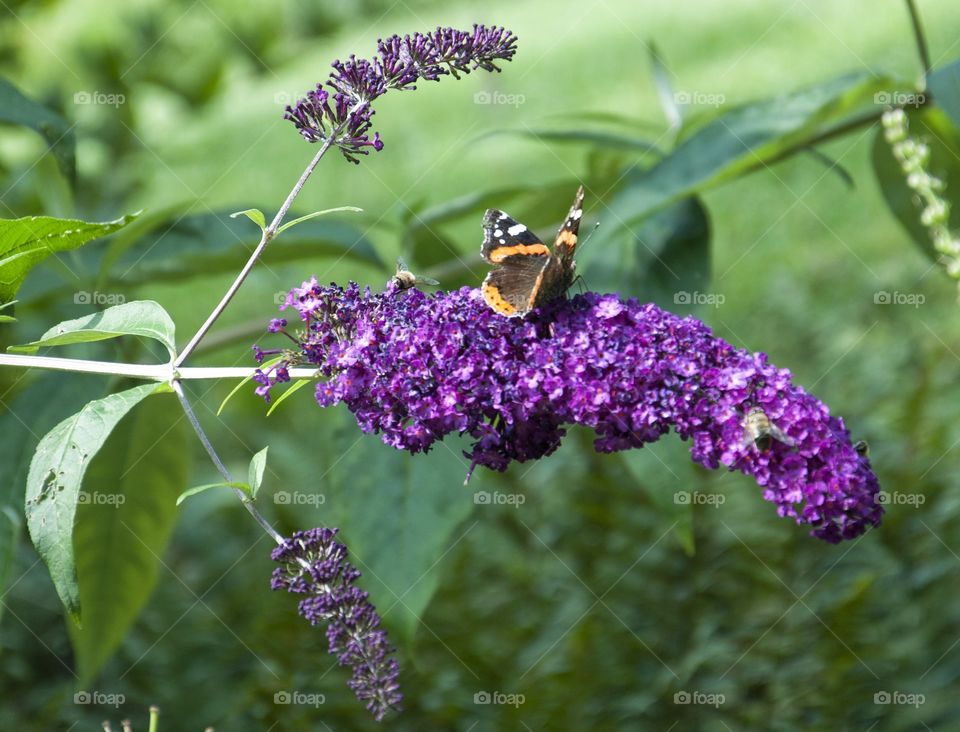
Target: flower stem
{"x": 265, "y": 238}
{"x": 221, "y": 468}
{"x": 148, "y": 372}
{"x": 919, "y": 37}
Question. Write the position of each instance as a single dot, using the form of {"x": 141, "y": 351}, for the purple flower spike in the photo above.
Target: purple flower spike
{"x": 343, "y": 117}
{"x": 413, "y": 368}
{"x": 314, "y": 565}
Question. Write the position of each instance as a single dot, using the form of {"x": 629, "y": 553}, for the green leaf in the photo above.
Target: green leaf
{"x": 661, "y": 80}
{"x": 315, "y": 214}
{"x": 666, "y": 475}
{"x": 255, "y": 472}
{"x": 26, "y": 242}
{"x": 621, "y": 142}
{"x": 245, "y": 487}
{"x": 244, "y": 381}
{"x": 122, "y": 528}
{"x": 742, "y": 140}
{"x": 296, "y": 386}
{"x": 667, "y": 261}
{"x": 17, "y": 109}
{"x": 7, "y": 319}
{"x": 54, "y": 478}
{"x": 402, "y": 547}
{"x": 254, "y": 214}
{"x": 933, "y": 126}
{"x": 141, "y": 318}
{"x": 213, "y": 243}
{"x": 944, "y": 84}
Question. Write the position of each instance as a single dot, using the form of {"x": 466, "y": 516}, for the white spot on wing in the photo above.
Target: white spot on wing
{"x": 516, "y": 229}
{"x": 577, "y": 214}
{"x": 498, "y": 232}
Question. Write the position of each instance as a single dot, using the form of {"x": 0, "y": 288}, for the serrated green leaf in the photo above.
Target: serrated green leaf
{"x": 740, "y": 141}
{"x": 140, "y": 318}
{"x": 932, "y": 126}
{"x": 122, "y": 529}
{"x": 54, "y": 479}
{"x": 255, "y": 472}
{"x": 17, "y": 109}
{"x": 314, "y": 215}
{"x": 26, "y": 242}
{"x": 245, "y": 487}
{"x": 296, "y": 386}
{"x": 254, "y": 214}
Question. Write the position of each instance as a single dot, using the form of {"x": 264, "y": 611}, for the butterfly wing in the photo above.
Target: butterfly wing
{"x": 566, "y": 240}
{"x": 518, "y": 258}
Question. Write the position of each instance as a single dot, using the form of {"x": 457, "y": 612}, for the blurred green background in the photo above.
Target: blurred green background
{"x": 600, "y": 599}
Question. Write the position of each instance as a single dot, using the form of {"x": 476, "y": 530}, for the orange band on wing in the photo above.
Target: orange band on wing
{"x": 495, "y": 300}
{"x": 501, "y": 253}
{"x": 567, "y": 238}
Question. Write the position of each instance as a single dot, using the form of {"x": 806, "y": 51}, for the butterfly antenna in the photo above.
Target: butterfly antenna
{"x": 589, "y": 234}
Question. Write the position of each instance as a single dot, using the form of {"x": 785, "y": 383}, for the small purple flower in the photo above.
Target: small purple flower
{"x": 276, "y": 325}
{"x": 413, "y": 368}
{"x": 315, "y": 565}
{"x": 343, "y": 117}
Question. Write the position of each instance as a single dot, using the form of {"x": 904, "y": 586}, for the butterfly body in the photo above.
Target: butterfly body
{"x": 526, "y": 272}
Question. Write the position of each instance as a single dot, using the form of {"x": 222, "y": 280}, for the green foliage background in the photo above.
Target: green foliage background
{"x": 587, "y": 599}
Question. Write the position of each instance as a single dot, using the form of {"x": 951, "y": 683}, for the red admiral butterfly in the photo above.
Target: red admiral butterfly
{"x": 525, "y": 272}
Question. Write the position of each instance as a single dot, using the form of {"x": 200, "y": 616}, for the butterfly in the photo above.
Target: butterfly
{"x": 526, "y": 273}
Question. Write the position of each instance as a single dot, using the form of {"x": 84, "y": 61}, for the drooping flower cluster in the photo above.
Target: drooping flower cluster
{"x": 344, "y": 114}
{"x": 315, "y": 565}
{"x": 414, "y": 368}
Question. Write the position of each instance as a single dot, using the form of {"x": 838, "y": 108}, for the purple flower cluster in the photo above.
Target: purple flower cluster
{"x": 343, "y": 116}
{"x": 414, "y": 367}
{"x": 315, "y": 565}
